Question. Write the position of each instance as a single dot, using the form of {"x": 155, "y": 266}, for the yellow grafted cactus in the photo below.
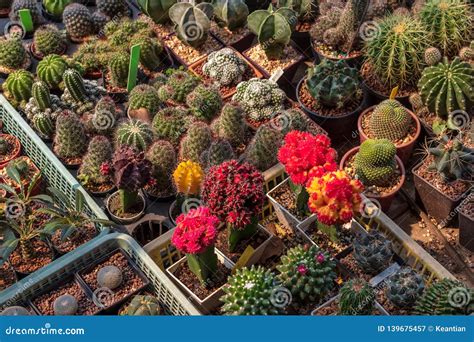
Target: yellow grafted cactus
{"x": 188, "y": 177}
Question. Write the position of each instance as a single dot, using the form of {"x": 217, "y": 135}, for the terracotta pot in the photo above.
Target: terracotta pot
{"x": 385, "y": 200}
{"x": 16, "y": 150}
{"x": 404, "y": 150}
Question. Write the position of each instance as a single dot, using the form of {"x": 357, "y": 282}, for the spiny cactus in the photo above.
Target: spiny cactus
{"x": 99, "y": 153}
{"x": 449, "y": 22}
{"x": 357, "y": 298}
{"x": 373, "y": 252}
{"x": 204, "y": 102}
{"x": 308, "y": 272}
{"x": 171, "y": 123}
{"x": 12, "y": 54}
{"x": 18, "y": 86}
{"x": 333, "y": 84}
{"x": 432, "y": 56}
{"x": 65, "y": 305}
{"x": 75, "y": 85}
{"x": 118, "y": 69}
{"x": 49, "y": 40}
{"x": 225, "y": 67}
{"x": 134, "y": 133}
{"x": 273, "y": 28}
{"x": 178, "y": 86}
{"x": 390, "y": 120}
{"x": 30, "y": 5}
{"x": 466, "y": 54}
{"x": 306, "y": 9}
{"x": 218, "y": 152}
{"x": 70, "y": 140}
{"x": 113, "y": 8}
{"x": 162, "y": 157}
{"x": 447, "y": 87}
{"x": 250, "y": 291}
{"x": 157, "y": 10}
{"x": 290, "y": 120}
{"x": 109, "y": 277}
{"x": 56, "y": 7}
{"x": 375, "y": 162}
{"x": 404, "y": 287}
{"x": 78, "y": 21}
{"x": 41, "y": 94}
{"x": 231, "y": 13}
{"x": 143, "y": 306}
{"x": 188, "y": 177}
{"x": 260, "y": 98}
{"x": 402, "y": 62}
{"x": 150, "y": 52}
{"x": 51, "y": 69}
{"x": 416, "y": 101}
{"x": 144, "y": 96}
{"x": 99, "y": 20}
{"x": 231, "y": 125}
{"x": 197, "y": 140}
{"x": 4, "y": 146}
{"x": 192, "y": 22}
{"x": 263, "y": 149}
{"x": 446, "y": 297}
{"x": 44, "y": 125}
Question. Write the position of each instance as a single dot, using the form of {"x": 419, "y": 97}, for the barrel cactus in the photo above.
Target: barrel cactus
{"x": 231, "y": 13}
{"x": 96, "y": 161}
{"x": 109, "y": 277}
{"x": 18, "y": 86}
{"x": 357, "y": 297}
{"x": 263, "y": 149}
{"x": 390, "y": 120}
{"x": 197, "y": 140}
{"x": 41, "y": 94}
{"x": 13, "y": 55}
{"x": 65, "y": 305}
{"x": 157, "y": 10}
{"x": 204, "y": 102}
{"x": 308, "y": 272}
{"x": 192, "y": 22}
{"x": 70, "y": 140}
{"x": 333, "y": 84}
{"x": 144, "y": 96}
{"x": 251, "y": 291}
{"x": 225, "y": 67}
{"x": 273, "y": 28}
{"x": 56, "y": 7}
{"x": 178, "y": 86}
{"x": 467, "y": 53}
{"x": 162, "y": 157}
{"x": 218, "y": 152}
{"x": 51, "y": 69}
{"x": 373, "y": 252}
{"x": 118, "y": 70}
{"x": 188, "y": 177}
{"x": 170, "y": 124}
{"x": 78, "y": 21}
{"x": 375, "y": 162}
{"x": 404, "y": 287}
{"x": 134, "y": 133}
{"x": 113, "y": 8}
{"x": 448, "y": 87}
{"x": 231, "y": 125}
{"x": 143, "y": 306}
{"x": 30, "y": 5}
{"x": 49, "y": 40}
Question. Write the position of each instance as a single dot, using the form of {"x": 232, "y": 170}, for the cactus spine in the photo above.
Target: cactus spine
{"x": 375, "y": 162}
{"x": 118, "y": 69}
{"x": 41, "y": 94}
{"x": 357, "y": 298}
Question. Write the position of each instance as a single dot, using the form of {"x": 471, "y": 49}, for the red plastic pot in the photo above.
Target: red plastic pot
{"x": 404, "y": 150}
{"x": 385, "y": 200}
{"x": 16, "y": 150}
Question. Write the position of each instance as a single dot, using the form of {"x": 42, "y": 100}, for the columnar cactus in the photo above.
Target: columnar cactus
{"x": 113, "y": 8}
{"x": 357, "y": 298}
{"x": 78, "y": 21}
{"x": 192, "y": 22}
{"x": 263, "y": 149}
{"x": 197, "y": 140}
{"x": 157, "y": 10}
{"x": 30, "y": 5}
{"x": 447, "y": 87}
{"x": 375, "y": 162}
{"x": 41, "y": 94}
{"x": 13, "y": 55}
{"x": 51, "y": 69}
{"x": 170, "y": 124}
{"x": 134, "y": 133}
{"x": 308, "y": 272}
{"x": 97, "y": 159}
{"x": 231, "y": 125}
{"x": 44, "y": 125}
{"x": 204, "y": 102}
{"x": 218, "y": 152}
{"x": 273, "y": 28}
{"x": 231, "y": 13}
{"x": 56, "y": 7}
{"x": 75, "y": 85}
{"x": 260, "y": 98}
{"x": 404, "y": 287}
{"x": 178, "y": 86}
{"x": 225, "y": 67}
{"x": 452, "y": 159}
{"x": 373, "y": 252}
{"x": 70, "y": 140}
{"x": 188, "y": 178}
{"x": 144, "y": 96}
{"x": 18, "y": 86}
{"x": 251, "y": 291}
{"x": 49, "y": 40}
{"x": 118, "y": 70}
{"x": 390, "y": 120}
{"x": 333, "y": 84}
{"x": 143, "y": 306}
{"x": 162, "y": 157}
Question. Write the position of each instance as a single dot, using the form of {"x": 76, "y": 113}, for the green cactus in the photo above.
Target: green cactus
{"x": 74, "y": 83}
{"x": 447, "y": 87}
{"x": 134, "y": 133}
{"x": 404, "y": 287}
{"x": 41, "y": 94}
{"x": 218, "y": 152}
{"x": 357, "y": 297}
{"x": 432, "y": 56}
{"x": 446, "y": 297}
{"x": 44, "y": 125}
{"x": 231, "y": 13}
{"x": 113, "y": 8}
{"x": 109, "y": 277}
{"x": 324, "y": 28}
{"x": 192, "y": 22}
{"x": 157, "y": 10}
{"x": 30, "y": 5}
{"x": 143, "y": 306}
{"x": 396, "y": 53}
{"x": 306, "y": 9}
{"x": 231, "y": 125}
{"x": 260, "y": 98}
{"x": 466, "y": 54}
{"x": 263, "y": 149}
{"x": 51, "y": 69}
{"x": 204, "y": 102}
{"x": 170, "y": 124}
{"x": 144, "y": 96}
{"x": 250, "y": 291}
{"x": 56, "y": 7}
{"x": 18, "y": 86}
{"x": 118, "y": 70}
{"x": 308, "y": 272}
{"x": 416, "y": 102}
{"x": 390, "y": 120}
{"x": 99, "y": 153}
{"x": 49, "y": 40}
{"x": 13, "y": 55}
{"x": 273, "y": 28}
{"x": 162, "y": 157}
{"x": 375, "y": 162}
{"x": 150, "y": 52}
{"x": 333, "y": 84}
{"x": 65, "y": 305}
{"x": 178, "y": 86}
{"x": 70, "y": 140}
{"x": 78, "y": 21}
{"x": 373, "y": 252}
{"x": 197, "y": 140}
{"x": 225, "y": 67}
{"x": 4, "y": 146}
{"x": 449, "y": 22}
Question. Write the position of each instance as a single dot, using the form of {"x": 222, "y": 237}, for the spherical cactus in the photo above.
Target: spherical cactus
{"x": 231, "y": 13}
{"x": 205, "y": 102}
{"x": 112, "y": 8}
{"x": 218, "y": 152}
{"x": 15, "y": 311}
{"x": 416, "y": 101}
{"x": 49, "y": 40}
{"x": 197, "y": 140}
{"x": 44, "y": 125}
{"x": 75, "y": 85}
{"x": 109, "y": 277}
{"x": 65, "y": 305}
{"x": 467, "y": 53}
{"x": 290, "y": 120}
{"x": 151, "y": 50}
{"x": 134, "y": 133}
{"x": 157, "y": 10}
{"x": 99, "y": 154}
{"x": 404, "y": 287}
{"x": 390, "y": 120}
{"x": 30, "y": 5}
{"x": 41, "y": 94}
{"x": 143, "y": 306}
{"x": 446, "y": 297}
{"x": 70, "y": 140}
{"x": 51, "y": 69}
{"x": 178, "y": 86}
{"x": 357, "y": 297}
{"x": 188, "y": 177}
{"x": 18, "y": 85}
{"x": 251, "y": 291}
{"x": 373, "y": 252}
{"x": 13, "y": 55}
{"x": 162, "y": 157}
{"x": 375, "y": 162}
{"x": 432, "y": 56}
{"x": 99, "y": 20}
{"x": 144, "y": 96}
{"x": 170, "y": 124}
{"x": 263, "y": 149}
{"x": 78, "y": 21}
{"x": 308, "y": 273}
{"x": 225, "y": 67}
{"x": 118, "y": 70}
{"x": 56, "y": 7}
{"x": 231, "y": 125}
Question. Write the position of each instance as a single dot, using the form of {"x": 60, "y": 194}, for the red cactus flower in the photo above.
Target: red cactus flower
{"x": 105, "y": 169}
{"x": 302, "y": 269}
{"x": 320, "y": 258}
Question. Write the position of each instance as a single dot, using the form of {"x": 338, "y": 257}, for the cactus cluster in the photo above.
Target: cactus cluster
{"x": 375, "y": 162}
{"x": 197, "y": 140}
{"x": 390, "y": 120}
{"x": 260, "y": 98}
{"x": 134, "y": 133}
{"x": 78, "y": 21}
{"x": 218, "y": 152}
{"x": 81, "y": 95}
{"x": 373, "y": 252}
{"x": 157, "y": 10}
{"x": 177, "y": 87}
{"x": 188, "y": 177}
{"x": 18, "y": 86}
{"x": 70, "y": 140}
{"x": 49, "y": 40}
{"x": 263, "y": 149}
{"x": 230, "y": 13}
{"x": 357, "y": 297}
{"x": 143, "y": 305}
{"x": 171, "y": 123}
{"x": 231, "y": 124}
{"x": 204, "y": 102}
{"x": 144, "y": 96}
{"x": 225, "y": 67}
{"x": 162, "y": 157}
{"x": 99, "y": 154}
{"x": 13, "y": 55}
{"x": 404, "y": 287}
{"x": 30, "y": 5}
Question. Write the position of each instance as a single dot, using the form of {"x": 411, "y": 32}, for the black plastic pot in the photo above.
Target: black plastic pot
{"x": 50, "y": 16}
{"x": 148, "y": 228}
{"x": 241, "y": 45}
{"x": 303, "y": 41}
{"x": 375, "y": 97}
{"x": 354, "y": 62}
{"x": 466, "y": 226}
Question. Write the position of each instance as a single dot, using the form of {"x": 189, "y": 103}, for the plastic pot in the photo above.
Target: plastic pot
{"x": 404, "y": 150}
{"x": 50, "y": 16}
{"x": 385, "y": 200}
{"x": 16, "y": 149}
{"x": 354, "y": 62}
{"x": 241, "y": 45}
{"x": 130, "y": 220}
{"x": 466, "y": 227}
{"x": 148, "y": 228}
{"x": 375, "y": 97}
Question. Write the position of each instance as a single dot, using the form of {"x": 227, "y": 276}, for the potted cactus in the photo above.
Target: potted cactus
{"x": 197, "y": 140}
{"x": 143, "y": 103}
{"x": 142, "y": 305}
{"x": 332, "y": 95}
{"x": 162, "y": 157}
{"x": 53, "y": 9}
{"x": 391, "y": 120}
{"x": 48, "y": 40}
{"x": 78, "y": 22}
{"x": 466, "y": 219}
{"x": 377, "y": 166}
{"x": 18, "y": 175}
{"x": 17, "y": 87}
{"x": 404, "y": 288}
{"x": 30, "y": 5}
{"x": 372, "y": 252}
{"x": 10, "y": 149}
{"x": 202, "y": 272}
{"x": 13, "y": 56}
